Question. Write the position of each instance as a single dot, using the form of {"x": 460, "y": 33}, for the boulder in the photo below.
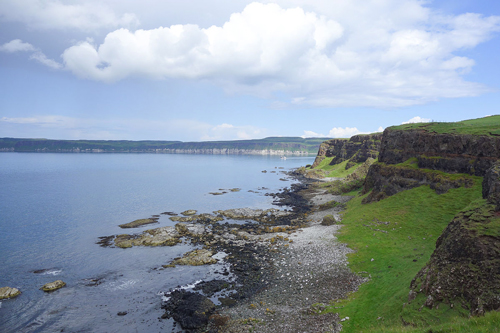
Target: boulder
{"x": 8, "y": 292}
{"x": 190, "y": 310}
{"x": 189, "y": 212}
{"x": 329, "y": 220}
{"x": 196, "y": 258}
{"x": 58, "y": 284}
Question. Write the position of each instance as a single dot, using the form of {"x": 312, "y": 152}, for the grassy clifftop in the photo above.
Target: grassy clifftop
{"x": 489, "y": 126}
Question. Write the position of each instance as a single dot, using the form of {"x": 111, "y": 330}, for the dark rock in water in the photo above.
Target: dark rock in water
{"x": 190, "y": 310}
{"x": 138, "y": 223}
{"x": 105, "y": 241}
{"x": 209, "y": 288}
{"x": 169, "y": 213}
{"x": 122, "y": 313}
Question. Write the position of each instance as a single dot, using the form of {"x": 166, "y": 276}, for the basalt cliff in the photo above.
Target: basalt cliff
{"x": 464, "y": 269}
{"x": 357, "y": 149}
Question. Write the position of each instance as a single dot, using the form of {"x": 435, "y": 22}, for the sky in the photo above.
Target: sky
{"x": 204, "y": 70}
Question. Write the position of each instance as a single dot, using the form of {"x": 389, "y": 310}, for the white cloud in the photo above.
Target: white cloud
{"x": 54, "y": 14}
{"x": 347, "y": 53}
{"x": 311, "y": 134}
{"x": 42, "y": 58}
{"x": 17, "y": 45}
{"x": 416, "y": 119}
{"x": 339, "y": 132}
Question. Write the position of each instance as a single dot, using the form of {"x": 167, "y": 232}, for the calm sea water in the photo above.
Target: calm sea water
{"x": 53, "y": 208}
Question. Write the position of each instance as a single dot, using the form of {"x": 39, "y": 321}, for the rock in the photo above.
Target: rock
{"x": 164, "y": 236}
{"x": 386, "y": 180}
{"x": 491, "y": 185}
{"x": 260, "y": 215}
{"x": 138, "y": 223}
{"x": 122, "y": 313}
{"x": 454, "y": 153}
{"x": 329, "y": 220}
{"x": 190, "y": 310}
{"x": 8, "y": 292}
{"x": 58, "y": 284}
{"x": 464, "y": 266}
{"x": 196, "y": 258}
{"x": 189, "y": 212}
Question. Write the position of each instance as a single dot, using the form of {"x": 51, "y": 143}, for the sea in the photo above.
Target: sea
{"x": 55, "y": 206}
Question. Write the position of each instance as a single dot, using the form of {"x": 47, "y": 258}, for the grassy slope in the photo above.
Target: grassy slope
{"x": 482, "y": 126}
{"x": 337, "y": 170}
{"x": 417, "y": 217}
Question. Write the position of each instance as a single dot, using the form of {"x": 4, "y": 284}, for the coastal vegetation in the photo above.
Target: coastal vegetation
{"x": 426, "y": 239}
{"x": 489, "y": 126}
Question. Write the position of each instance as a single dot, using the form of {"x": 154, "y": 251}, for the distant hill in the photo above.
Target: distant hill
{"x": 271, "y": 145}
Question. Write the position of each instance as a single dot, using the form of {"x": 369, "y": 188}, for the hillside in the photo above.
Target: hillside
{"x": 271, "y": 145}
{"x": 424, "y": 222}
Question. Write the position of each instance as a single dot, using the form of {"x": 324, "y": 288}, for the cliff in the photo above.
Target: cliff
{"x": 464, "y": 270}
{"x": 357, "y": 149}
{"x": 433, "y": 154}
{"x": 267, "y": 146}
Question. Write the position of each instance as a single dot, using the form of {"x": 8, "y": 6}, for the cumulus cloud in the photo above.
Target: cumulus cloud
{"x": 339, "y": 132}
{"x": 392, "y": 53}
{"x": 17, "y": 45}
{"x": 54, "y": 14}
{"x": 416, "y": 119}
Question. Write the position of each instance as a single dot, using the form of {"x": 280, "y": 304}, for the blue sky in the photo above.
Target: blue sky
{"x": 228, "y": 70}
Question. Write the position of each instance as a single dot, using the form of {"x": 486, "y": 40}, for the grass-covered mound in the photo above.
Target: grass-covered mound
{"x": 483, "y": 126}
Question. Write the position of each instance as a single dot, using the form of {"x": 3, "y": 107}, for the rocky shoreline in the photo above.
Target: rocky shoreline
{"x": 278, "y": 270}
{"x": 285, "y": 272}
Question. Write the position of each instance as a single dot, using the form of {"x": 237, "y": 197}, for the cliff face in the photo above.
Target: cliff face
{"x": 357, "y": 149}
{"x": 465, "y": 267}
{"x": 455, "y": 153}
{"x": 449, "y": 153}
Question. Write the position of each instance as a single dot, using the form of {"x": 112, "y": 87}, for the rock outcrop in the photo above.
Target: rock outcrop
{"x": 196, "y": 258}
{"x": 465, "y": 267}
{"x": 8, "y": 292}
{"x": 454, "y": 153}
{"x": 357, "y": 149}
{"x": 385, "y": 180}
{"x": 191, "y": 310}
{"x": 51, "y": 286}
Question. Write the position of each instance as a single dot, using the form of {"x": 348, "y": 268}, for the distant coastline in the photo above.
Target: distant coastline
{"x": 283, "y": 146}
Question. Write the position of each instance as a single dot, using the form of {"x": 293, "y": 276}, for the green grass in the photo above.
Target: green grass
{"x": 337, "y": 170}
{"x": 482, "y": 126}
{"x": 416, "y": 218}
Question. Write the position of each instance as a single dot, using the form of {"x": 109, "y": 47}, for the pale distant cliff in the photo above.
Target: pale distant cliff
{"x": 269, "y": 146}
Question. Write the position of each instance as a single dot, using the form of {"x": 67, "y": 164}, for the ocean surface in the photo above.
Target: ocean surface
{"x": 53, "y": 208}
